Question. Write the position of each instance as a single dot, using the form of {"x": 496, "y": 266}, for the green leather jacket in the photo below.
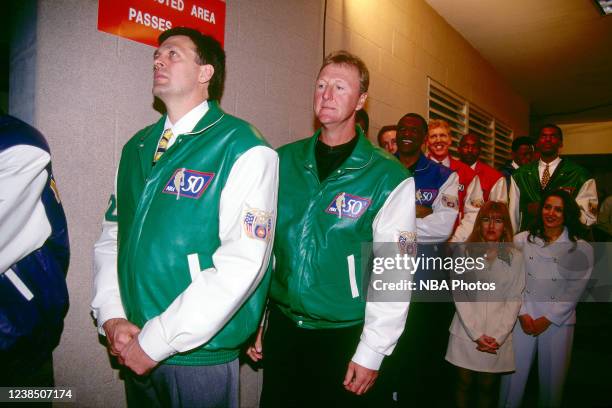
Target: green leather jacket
{"x": 162, "y": 223}
{"x": 319, "y": 280}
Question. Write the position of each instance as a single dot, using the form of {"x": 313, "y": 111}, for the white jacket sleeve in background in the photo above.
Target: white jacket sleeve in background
{"x": 438, "y": 226}
{"x": 473, "y": 198}
{"x": 499, "y": 191}
{"x": 588, "y": 202}
{"x": 514, "y": 205}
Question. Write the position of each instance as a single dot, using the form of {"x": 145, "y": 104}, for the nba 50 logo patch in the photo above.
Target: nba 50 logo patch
{"x": 188, "y": 183}
{"x": 426, "y": 195}
{"x": 346, "y": 205}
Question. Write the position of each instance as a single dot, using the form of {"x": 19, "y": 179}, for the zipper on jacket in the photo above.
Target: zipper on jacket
{"x": 307, "y": 259}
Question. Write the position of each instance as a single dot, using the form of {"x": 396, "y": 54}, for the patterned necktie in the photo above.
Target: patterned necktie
{"x": 545, "y": 177}
{"x": 162, "y": 145}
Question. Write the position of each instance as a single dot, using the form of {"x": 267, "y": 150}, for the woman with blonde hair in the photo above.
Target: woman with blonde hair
{"x": 480, "y": 343}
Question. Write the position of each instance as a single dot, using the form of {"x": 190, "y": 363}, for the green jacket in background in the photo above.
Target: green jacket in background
{"x": 568, "y": 176}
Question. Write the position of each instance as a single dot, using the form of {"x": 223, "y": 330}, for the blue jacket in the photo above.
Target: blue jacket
{"x": 429, "y": 176}
{"x": 30, "y": 328}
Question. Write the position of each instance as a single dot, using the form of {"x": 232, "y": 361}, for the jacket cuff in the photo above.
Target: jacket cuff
{"x": 110, "y": 311}
{"x": 368, "y": 358}
{"x": 557, "y": 320}
{"x": 152, "y": 341}
{"x": 473, "y": 336}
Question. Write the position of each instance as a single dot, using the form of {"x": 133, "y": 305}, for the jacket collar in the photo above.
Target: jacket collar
{"x": 564, "y": 237}
{"x": 359, "y": 158}
{"x": 210, "y": 118}
{"x": 423, "y": 163}
{"x": 148, "y": 141}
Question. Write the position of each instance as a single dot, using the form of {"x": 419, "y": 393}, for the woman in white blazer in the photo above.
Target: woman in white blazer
{"x": 558, "y": 265}
{"x": 480, "y": 343}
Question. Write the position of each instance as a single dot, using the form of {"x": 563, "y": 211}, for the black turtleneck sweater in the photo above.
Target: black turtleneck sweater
{"x": 329, "y": 158}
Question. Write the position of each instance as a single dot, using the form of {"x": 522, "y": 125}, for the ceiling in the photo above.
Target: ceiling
{"x": 555, "y": 53}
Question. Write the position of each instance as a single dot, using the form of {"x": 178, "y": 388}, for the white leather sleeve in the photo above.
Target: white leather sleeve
{"x": 106, "y": 303}
{"x": 384, "y": 321}
{"x": 23, "y": 220}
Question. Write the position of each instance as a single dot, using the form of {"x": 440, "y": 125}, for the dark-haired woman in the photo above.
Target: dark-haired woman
{"x": 480, "y": 343}
{"x": 558, "y": 265}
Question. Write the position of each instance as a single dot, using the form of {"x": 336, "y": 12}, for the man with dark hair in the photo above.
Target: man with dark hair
{"x": 550, "y": 172}
{"x": 34, "y": 254}
{"x": 387, "y": 138}
{"x": 436, "y": 203}
{"x": 182, "y": 266}
{"x": 325, "y": 342}
{"x": 209, "y": 52}
{"x": 492, "y": 182}
{"x": 363, "y": 119}
{"x": 413, "y": 366}
{"x": 522, "y": 153}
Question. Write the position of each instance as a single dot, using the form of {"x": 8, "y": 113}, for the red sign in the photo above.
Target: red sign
{"x": 144, "y": 20}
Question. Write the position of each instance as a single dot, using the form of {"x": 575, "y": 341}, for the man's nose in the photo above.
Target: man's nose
{"x": 327, "y": 93}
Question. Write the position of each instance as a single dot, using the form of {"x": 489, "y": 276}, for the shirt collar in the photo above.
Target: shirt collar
{"x": 444, "y": 162}
{"x": 551, "y": 166}
{"x": 188, "y": 121}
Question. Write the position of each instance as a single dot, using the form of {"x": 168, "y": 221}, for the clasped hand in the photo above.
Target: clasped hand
{"x": 122, "y": 342}
{"x": 487, "y": 344}
{"x": 534, "y": 327}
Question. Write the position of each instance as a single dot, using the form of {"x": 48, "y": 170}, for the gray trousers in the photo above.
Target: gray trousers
{"x": 185, "y": 386}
